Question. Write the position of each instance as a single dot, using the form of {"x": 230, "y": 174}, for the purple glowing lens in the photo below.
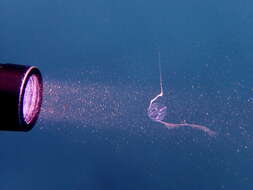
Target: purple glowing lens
{"x": 21, "y": 91}
{"x": 31, "y": 99}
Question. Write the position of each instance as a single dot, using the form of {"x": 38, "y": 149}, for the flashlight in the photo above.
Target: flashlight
{"x": 20, "y": 96}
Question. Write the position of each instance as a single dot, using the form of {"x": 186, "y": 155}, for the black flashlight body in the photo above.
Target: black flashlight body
{"x": 13, "y": 82}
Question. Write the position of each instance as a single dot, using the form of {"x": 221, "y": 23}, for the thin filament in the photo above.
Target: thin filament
{"x": 194, "y": 126}
{"x": 161, "y": 81}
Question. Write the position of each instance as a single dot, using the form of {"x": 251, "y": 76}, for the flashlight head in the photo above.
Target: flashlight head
{"x": 20, "y": 96}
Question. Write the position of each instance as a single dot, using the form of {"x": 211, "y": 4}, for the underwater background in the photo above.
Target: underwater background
{"x": 99, "y": 60}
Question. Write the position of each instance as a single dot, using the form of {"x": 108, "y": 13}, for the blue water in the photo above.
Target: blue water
{"x": 100, "y": 66}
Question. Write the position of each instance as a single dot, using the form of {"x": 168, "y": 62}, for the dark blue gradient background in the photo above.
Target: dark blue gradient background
{"x": 207, "y": 56}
